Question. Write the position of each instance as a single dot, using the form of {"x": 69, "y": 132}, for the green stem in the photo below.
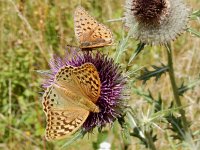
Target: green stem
{"x": 150, "y": 141}
{"x": 146, "y": 135}
{"x": 174, "y": 87}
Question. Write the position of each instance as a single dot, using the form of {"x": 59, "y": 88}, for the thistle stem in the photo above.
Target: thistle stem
{"x": 150, "y": 141}
{"x": 147, "y": 136}
{"x": 174, "y": 87}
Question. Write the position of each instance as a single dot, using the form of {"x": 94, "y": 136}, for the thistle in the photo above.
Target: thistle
{"x": 157, "y": 21}
{"x": 111, "y": 101}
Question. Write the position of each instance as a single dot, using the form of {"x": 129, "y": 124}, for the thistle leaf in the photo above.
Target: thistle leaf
{"x": 195, "y": 15}
{"x": 144, "y": 141}
{"x": 157, "y": 72}
{"x": 194, "y": 32}
{"x": 140, "y": 47}
{"x": 176, "y": 126}
{"x": 183, "y": 88}
{"x": 158, "y": 104}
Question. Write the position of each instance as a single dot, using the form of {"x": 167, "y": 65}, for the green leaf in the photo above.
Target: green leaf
{"x": 195, "y": 15}
{"x": 183, "y": 88}
{"x": 137, "y": 51}
{"x": 157, "y": 72}
{"x": 194, "y": 32}
{"x": 158, "y": 104}
{"x": 123, "y": 43}
{"x": 143, "y": 140}
{"x": 75, "y": 137}
{"x": 176, "y": 126}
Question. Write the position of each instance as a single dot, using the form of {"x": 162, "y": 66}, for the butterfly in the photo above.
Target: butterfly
{"x": 89, "y": 32}
{"x": 68, "y": 101}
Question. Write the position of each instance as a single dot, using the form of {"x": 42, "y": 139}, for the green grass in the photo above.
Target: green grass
{"x": 32, "y": 31}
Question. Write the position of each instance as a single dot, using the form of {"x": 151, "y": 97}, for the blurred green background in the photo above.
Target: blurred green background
{"x": 32, "y": 30}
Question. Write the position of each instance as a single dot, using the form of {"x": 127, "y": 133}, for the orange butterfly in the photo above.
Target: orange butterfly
{"x": 69, "y": 100}
{"x": 89, "y": 32}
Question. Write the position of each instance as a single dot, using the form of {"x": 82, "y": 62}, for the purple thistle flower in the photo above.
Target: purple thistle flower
{"x": 111, "y": 101}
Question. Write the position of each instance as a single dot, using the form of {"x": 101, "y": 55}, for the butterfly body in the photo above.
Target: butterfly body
{"x": 89, "y": 32}
{"x": 69, "y": 100}
{"x": 76, "y": 99}
{"x": 98, "y": 42}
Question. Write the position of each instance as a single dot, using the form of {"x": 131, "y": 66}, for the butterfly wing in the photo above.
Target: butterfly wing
{"x": 88, "y": 80}
{"x": 63, "y": 123}
{"x": 89, "y": 32}
{"x": 83, "y": 80}
{"x": 83, "y": 24}
{"x": 63, "y": 118}
{"x": 64, "y": 78}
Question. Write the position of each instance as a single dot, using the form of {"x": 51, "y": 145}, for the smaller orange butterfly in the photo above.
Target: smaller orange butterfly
{"x": 89, "y": 32}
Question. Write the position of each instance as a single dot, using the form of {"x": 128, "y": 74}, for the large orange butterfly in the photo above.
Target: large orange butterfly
{"x": 69, "y": 100}
{"x": 89, "y": 32}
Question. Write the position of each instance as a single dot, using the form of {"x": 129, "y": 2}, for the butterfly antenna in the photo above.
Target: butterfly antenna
{"x": 116, "y": 20}
{"x": 43, "y": 72}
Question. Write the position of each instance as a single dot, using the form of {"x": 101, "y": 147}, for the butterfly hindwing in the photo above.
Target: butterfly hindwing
{"x": 63, "y": 118}
{"x": 89, "y": 32}
{"x": 64, "y": 122}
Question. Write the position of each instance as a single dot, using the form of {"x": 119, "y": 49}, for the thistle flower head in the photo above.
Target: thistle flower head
{"x": 110, "y": 102}
{"x": 158, "y": 21}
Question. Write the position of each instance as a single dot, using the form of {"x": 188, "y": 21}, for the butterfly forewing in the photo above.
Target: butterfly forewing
{"x": 64, "y": 79}
{"x": 88, "y": 79}
{"x": 83, "y": 23}
{"x": 89, "y": 32}
{"x": 83, "y": 80}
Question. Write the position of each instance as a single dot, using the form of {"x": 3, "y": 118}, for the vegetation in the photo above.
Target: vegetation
{"x": 32, "y": 31}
